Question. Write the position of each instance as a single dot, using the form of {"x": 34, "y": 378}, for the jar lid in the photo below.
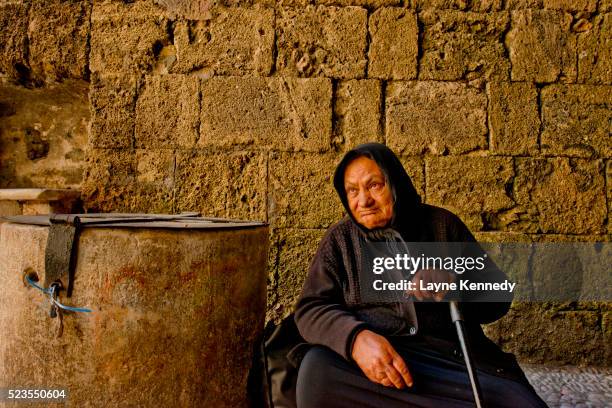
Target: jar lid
{"x": 127, "y": 220}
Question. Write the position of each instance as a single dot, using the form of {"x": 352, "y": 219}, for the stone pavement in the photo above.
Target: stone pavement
{"x": 570, "y": 386}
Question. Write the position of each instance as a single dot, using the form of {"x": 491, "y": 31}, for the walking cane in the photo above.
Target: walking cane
{"x": 457, "y": 318}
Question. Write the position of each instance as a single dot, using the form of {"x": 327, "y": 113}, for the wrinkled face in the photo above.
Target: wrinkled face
{"x": 369, "y": 196}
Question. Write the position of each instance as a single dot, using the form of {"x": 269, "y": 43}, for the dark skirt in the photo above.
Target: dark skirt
{"x": 326, "y": 379}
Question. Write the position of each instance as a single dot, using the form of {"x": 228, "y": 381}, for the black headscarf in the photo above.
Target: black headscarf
{"x": 406, "y": 200}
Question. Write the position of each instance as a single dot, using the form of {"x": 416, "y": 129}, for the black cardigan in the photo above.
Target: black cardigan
{"x": 329, "y": 311}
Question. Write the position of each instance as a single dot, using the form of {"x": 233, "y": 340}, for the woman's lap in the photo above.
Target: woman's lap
{"x": 326, "y": 379}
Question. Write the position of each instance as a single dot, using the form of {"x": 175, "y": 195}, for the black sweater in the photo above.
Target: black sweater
{"x": 330, "y": 310}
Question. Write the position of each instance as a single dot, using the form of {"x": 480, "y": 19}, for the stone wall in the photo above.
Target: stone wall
{"x": 500, "y": 110}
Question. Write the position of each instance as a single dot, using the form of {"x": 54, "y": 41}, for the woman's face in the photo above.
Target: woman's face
{"x": 369, "y": 196}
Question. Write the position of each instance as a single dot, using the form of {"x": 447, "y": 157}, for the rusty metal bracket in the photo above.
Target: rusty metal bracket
{"x": 61, "y": 250}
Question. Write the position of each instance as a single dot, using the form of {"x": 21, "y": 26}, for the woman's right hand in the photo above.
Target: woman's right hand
{"x": 379, "y": 361}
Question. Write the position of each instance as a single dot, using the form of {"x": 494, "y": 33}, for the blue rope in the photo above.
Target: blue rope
{"x": 51, "y": 291}
{"x": 32, "y": 283}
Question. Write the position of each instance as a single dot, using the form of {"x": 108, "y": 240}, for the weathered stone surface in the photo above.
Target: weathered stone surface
{"x": 511, "y": 252}
{"x": 127, "y": 37}
{"x": 502, "y": 237}
{"x": 475, "y": 188}
{"x": 231, "y": 185}
{"x": 363, "y": 3}
{"x": 394, "y": 44}
{"x": 464, "y": 5}
{"x": 577, "y": 120}
{"x": 571, "y": 5}
{"x": 457, "y": 45}
{"x": 291, "y": 252}
{"x": 609, "y": 193}
{"x": 153, "y": 191}
{"x": 129, "y": 181}
{"x": 301, "y": 193}
{"x": 605, "y": 6}
{"x": 560, "y": 195}
{"x": 58, "y": 35}
{"x": 206, "y": 9}
{"x": 155, "y": 167}
{"x": 523, "y": 4}
{"x": 595, "y": 52}
{"x": 236, "y": 41}
{"x": 191, "y": 302}
{"x": 43, "y": 132}
{"x": 108, "y": 180}
{"x": 322, "y": 41}
{"x": 167, "y": 112}
{"x": 112, "y": 101}
{"x": 280, "y": 113}
{"x": 14, "y": 39}
{"x": 578, "y": 338}
{"x": 606, "y": 326}
{"x": 573, "y": 269}
{"x": 435, "y": 117}
{"x": 357, "y": 111}
{"x": 514, "y": 121}
{"x": 542, "y": 47}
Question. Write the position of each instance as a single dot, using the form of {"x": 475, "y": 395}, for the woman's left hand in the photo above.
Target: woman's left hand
{"x": 424, "y": 278}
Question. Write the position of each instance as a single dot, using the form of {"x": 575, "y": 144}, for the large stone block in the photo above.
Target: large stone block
{"x": 167, "y": 112}
{"x": 112, "y": 100}
{"x": 236, "y": 41}
{"x": 394, "y": 45}
{"x": 121, "y": 180}
{"x": 155, "y": 167}
{"x": 43, "y": 132}
{"x": 362, "y": 3}
{"x": 108, "y": 181}
{"x": 357, "y": 113}
{"x": 231, "y": 185}
{"x": 127, "y": 37}
{"x": 571, "y": 5}
{"x": 514, "y": 121}
{"x": 609, "y": 193}
{"x": 14, "y": 39}
{"x": 435, "y": 117}
{"x": 475, "y": 188}
{"x": 560, "y": 195}
{"x": 58, "y": 39}
{"x": 293, "y": 250}
{"x": 154, "y": 190}
{"x": 577, "y": 120}
{"x": 458, "y": 45}
{"x": 573, "y": 269}
{"x": 301, "y": 190}
{"x": 606, "y": 326}
{"x": 595, "y": 52}
{"x": 523, "y": 4}
{"x": 511, "y": 252}
{"x": 464, "y": 5}
{"x": 528, "y": 331}
{"x": 207, "y": 9}
{"x": 322, "y": 41}
{"x": 280, "y": 113}
{"x": 542, "y": 47}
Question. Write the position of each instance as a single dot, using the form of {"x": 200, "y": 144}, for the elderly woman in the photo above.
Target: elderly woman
{"x": 397, "y": 354}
